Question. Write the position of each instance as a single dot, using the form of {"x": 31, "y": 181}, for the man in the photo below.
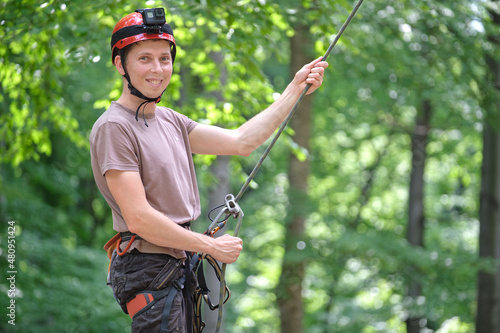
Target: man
{"x": 142, "y": 162}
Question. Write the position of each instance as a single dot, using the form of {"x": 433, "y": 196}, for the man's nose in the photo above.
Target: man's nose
{"x": 156, "y": 66}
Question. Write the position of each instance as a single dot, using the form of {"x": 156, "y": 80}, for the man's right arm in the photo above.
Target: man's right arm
{"x": 156, "y": 228}
{"x": 213, "y": 140}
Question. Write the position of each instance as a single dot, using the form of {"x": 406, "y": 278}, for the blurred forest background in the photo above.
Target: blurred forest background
{"x": 377, "y": 211}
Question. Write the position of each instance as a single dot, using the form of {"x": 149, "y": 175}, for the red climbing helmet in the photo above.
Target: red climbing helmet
{"x": 143, "y": 24}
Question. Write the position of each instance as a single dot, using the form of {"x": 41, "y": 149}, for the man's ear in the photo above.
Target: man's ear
{"x": 119, "y": 65}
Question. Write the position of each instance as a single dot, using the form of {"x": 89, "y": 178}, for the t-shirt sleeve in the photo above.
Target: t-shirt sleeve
{"x": 114, "y": 149}
{"x": 189, "y": 124}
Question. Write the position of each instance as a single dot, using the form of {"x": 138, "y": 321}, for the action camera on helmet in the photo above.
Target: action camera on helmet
{"x": 153, "y": 19}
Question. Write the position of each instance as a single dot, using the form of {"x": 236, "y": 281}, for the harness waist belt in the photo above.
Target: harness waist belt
{"x": 127, "y": 235}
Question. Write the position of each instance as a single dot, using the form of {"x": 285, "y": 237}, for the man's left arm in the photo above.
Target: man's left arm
{"x": 213, "y": 140}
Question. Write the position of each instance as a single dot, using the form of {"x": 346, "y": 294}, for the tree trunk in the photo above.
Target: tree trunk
{"x": 416, "y": 222}
{"x": 290, "y": 287}
{"x": 488, "y": 294}
{"x": 489, "y": 217}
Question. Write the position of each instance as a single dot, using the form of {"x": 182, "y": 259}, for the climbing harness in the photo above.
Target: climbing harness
{"x": 143, "y": 300}
{"x": 231, "y": 207}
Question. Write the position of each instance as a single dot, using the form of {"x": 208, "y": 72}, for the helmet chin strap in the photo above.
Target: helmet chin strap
{"x": 137, "y": 93}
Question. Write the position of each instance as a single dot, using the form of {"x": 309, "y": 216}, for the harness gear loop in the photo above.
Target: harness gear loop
{"x": 115, "y": 242}
{"x": 126, "y": 248}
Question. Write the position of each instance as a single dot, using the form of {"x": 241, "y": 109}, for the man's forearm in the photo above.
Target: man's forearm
{"x": 258, "y": 129}
{"x": 160, "y": 230}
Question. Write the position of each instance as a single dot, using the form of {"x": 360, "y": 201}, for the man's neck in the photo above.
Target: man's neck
{"x": 133, "y": 102}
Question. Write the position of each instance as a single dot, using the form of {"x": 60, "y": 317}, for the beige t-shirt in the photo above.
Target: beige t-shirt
{"x": 159, "y": 152}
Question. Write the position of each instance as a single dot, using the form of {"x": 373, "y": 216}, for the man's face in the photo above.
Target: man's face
{"x": 149, "y": 65}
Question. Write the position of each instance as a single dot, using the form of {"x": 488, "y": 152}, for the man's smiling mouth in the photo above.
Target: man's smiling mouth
{"x": 155, "y": 82}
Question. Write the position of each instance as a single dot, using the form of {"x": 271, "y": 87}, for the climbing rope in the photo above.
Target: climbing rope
{"x": 292, "y": 112}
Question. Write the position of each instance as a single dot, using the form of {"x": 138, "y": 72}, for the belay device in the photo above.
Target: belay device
{"x": 231, "y": 207}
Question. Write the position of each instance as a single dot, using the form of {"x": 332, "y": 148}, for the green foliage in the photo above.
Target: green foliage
{"x": 61, "y": 288}
{"x": 33, "y": 61}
